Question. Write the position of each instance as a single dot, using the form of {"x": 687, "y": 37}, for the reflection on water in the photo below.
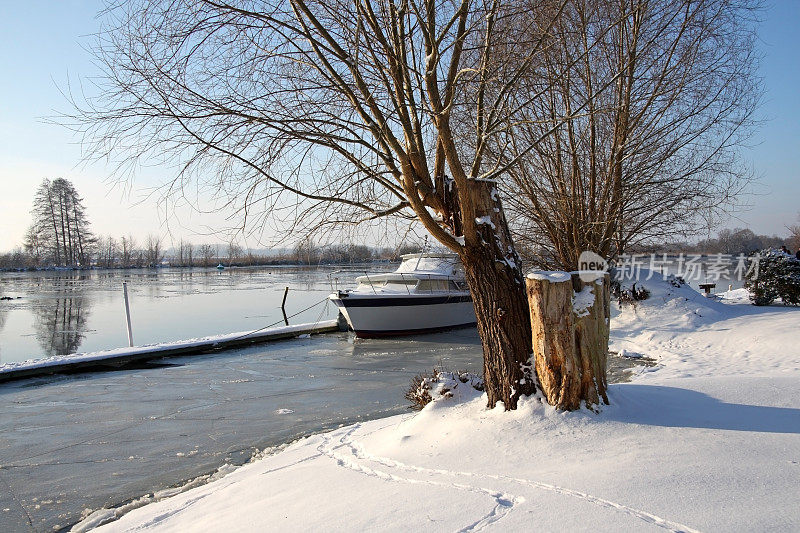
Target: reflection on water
{"x": 60, "y": 324}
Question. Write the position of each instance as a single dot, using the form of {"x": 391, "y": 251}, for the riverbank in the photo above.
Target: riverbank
{"x": 706, "y": 440}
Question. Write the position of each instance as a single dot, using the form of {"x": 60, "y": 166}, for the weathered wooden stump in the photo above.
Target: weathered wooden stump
{"x": 570, "y": 314}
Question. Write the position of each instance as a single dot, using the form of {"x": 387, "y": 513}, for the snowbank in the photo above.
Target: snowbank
{"x": 707, "y": 440}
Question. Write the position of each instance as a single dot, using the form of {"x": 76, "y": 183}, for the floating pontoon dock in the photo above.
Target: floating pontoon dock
{"x": 120, "y": 357}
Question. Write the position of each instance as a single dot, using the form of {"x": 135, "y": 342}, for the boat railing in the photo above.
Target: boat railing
{"x": 331, "y": 280}
{"x": 403, "y": 277}
{"x": 370, "y": 282}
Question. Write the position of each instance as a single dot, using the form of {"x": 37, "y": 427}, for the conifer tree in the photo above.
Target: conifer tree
{"x": 60, "y": 229}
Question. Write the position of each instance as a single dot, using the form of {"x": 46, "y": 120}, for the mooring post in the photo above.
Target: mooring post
{"x": 283, "y": 306}
{"x": 127, "y": 313}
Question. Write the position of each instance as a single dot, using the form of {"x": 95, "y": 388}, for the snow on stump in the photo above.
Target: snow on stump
{"x": 570, "y": 314}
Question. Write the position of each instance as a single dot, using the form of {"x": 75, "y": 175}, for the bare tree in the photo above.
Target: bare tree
{"x": 234, "y": 252}
{"x": 349, "y": 109}
{"x": 128, "y": 248}
{"x": 107, "y": 252}
{"x": 154, "y": 252}
{"x": 307, "y": 252}
{"x": 208, "y": 252}
{"x": 35, "y": 244}
{"x": 659, "y": 96}
{"x": 793, "y": 241}
{"x": 187, "y": 255}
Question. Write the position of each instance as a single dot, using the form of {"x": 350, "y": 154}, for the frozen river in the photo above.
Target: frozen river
{"x": 61, "y": 312}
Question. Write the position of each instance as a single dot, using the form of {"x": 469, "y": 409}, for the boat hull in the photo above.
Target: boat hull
{"x": 385, "y": 316}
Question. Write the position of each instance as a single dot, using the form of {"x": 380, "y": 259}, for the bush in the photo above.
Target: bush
{"x": 777, "y": 276}
{"x": 439, "y": 384}
{"x": 628, "y": 295}
{"x": 676, "y": 281}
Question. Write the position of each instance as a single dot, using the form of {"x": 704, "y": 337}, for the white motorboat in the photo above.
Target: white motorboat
{"x": 426, "y": 293}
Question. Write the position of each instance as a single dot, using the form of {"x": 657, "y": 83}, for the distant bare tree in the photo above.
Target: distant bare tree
{"x": 355, "y": 110}
{"x": 185, "y": 253}
{"x": 128, "y": 251}
{"x": 346, "y": 253}
{"x": 188, "y": 254}
{"x": 154, "y": 253}
{"x": 234, "y": 252}
{"x": 208, "y": 252}
{"x": 739, "y": 240}
{"x": 660, "y": 95}
{"x": 307, "y": 252}
{"x": 107, "y": 252}
{"x": 35, "y": 245}
{"x": 793, "y": 242}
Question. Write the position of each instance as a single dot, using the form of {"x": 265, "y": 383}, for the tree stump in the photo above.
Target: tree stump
{"x": 570, "y": 315}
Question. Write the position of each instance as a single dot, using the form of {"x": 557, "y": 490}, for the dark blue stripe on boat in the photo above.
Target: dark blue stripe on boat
{"x": 389, "y": 301}
{"x": 374, "y": 334}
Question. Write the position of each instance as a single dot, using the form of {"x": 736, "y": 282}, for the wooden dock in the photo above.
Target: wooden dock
{"x": 122, "y": 357}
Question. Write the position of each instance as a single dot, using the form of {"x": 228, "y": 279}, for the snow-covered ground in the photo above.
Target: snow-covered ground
{"x": 706, "y": 440}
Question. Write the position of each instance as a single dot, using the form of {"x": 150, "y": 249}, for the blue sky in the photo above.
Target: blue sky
{"x": 43, "y": 53}
{"x": 42, "y": 44}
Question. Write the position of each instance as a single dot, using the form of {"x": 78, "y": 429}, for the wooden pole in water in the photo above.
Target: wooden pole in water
{"x": 127, "y": 313}
{"x": 283, "y": 306}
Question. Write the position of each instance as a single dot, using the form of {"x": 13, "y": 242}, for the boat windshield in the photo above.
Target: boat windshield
{"x": 400, "y": 284}
{"x": 434, "y": 285}
{"x": 370, "y": 284}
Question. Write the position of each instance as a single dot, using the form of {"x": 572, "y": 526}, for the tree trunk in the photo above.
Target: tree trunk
{"x": 503, "y": 325}
{"x": 569, "y": 322}
{"x": 494, "y": 275}
{"x": 55, "y": 225}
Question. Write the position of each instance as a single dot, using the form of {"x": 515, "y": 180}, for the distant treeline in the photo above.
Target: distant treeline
{"x": 126, "y": 252}
{"x": 728, "y": 241}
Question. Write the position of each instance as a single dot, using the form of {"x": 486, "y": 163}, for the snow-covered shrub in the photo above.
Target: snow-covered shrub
{"x": 628, "y": 295}
{"x": 777, "y": 276}
{"x": 676, "y": 281}
{"x": 439, "y": 384}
